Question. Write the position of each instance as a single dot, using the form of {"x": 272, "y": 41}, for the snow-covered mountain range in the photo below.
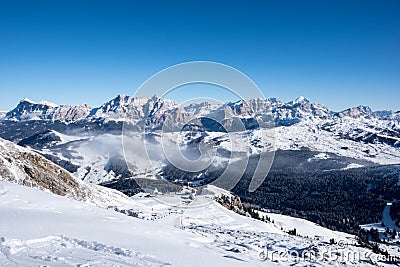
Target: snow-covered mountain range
{"x": 87, "y": 141}
{"x": 156, "y": 109}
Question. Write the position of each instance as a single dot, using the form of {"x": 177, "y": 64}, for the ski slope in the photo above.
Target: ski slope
{"x": 38, "y": 228}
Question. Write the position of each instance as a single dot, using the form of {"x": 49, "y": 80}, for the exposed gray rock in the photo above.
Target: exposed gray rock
{"x": 25, "y": 167}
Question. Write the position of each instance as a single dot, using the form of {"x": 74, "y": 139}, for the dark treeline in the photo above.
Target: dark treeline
{"x": 340, "y": 200}
{"x": 395, "y": 212}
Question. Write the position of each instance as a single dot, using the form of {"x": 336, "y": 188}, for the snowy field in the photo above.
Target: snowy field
{"x": 41, "y": 229}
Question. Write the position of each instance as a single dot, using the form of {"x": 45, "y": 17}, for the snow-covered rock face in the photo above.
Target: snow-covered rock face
{"x": 357, "y": 112}
{"x": 282, "y": 113}
{"x": 133, "y": 108}
{"x": 29, "y": 110}
{"x": 155, "y": 112}
{"x": 156, "y": 109}
{"x": 136, "y": 109}
{"x": 366, "y": 129}
{"x": 22, "y": 166}
{"x": 388, "y": 115}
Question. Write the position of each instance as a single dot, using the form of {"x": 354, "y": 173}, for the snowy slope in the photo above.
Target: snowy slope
{"x": 305, "y": 135}
{"x": 23, "y": 166}
{"x": 65, "y": 232}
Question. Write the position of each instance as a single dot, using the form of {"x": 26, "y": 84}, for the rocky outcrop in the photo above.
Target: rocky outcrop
{"x": 29, "y": 110}
{"x": 25, "y": 167}
{"x": 356, "y": 112}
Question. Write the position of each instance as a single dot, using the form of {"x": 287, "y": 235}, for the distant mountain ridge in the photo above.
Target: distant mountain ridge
{"x": 156, "y": 109}
{"x": 359, "y": 124}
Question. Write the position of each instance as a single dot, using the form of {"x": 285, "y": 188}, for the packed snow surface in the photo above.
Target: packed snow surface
{"x": 42, "y": 229}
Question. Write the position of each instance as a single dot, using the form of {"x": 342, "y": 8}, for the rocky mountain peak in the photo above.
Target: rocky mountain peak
{"x": 300, "y": 100}
{"x": 27, "y": 109}
{"x": 25, "y": 99}
{"x": 355, "y": 112}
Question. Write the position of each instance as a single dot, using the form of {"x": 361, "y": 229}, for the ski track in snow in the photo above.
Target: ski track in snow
{"x": 66, "y": 251}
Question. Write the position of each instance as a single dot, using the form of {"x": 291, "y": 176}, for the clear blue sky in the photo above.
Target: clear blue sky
{"x": 338, "y": 53}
